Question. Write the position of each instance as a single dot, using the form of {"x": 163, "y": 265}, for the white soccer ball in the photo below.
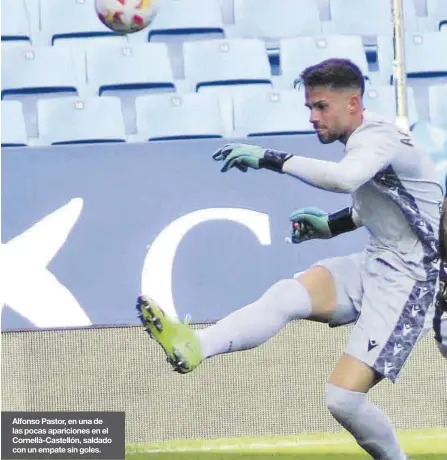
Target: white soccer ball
{"x": 126, "y": 16}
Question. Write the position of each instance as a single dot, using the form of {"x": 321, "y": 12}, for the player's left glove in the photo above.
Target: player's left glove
{"x": 309, "y": 223}
{"x": 244, "y": 156}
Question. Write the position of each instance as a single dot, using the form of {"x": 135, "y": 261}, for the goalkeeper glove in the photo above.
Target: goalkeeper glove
{"x": 244, "y": 156}
{"x": 311, "y": 223}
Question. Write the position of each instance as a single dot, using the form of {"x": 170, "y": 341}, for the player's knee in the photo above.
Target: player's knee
{"x": 290, "y": 297}
{"x": 343, "y": 404}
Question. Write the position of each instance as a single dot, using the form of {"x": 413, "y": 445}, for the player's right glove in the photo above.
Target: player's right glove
{"x": 308, "y": 224}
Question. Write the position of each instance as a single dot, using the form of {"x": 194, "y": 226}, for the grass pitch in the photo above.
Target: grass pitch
{"x": 419, "y": 444}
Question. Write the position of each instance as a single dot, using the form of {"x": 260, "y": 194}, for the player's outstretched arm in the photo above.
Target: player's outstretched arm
{"x": 244, "y": 156}
{"x": 311, "y": 223}
{"x": 359, "y": 165}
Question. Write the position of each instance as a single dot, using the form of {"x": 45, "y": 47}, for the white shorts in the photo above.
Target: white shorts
{"x": 391, "y": 310}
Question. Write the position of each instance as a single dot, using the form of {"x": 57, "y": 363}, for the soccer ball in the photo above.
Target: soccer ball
{"x": 126, "y": 16}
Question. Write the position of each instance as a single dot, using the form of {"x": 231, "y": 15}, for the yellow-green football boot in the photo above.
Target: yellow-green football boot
{"x": 178, "y": 340}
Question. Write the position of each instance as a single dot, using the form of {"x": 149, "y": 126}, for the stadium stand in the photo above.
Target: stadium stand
{"x": 355, "y": 17}
{"x": 299, "y": 52}
{"x": 271, "y": 113}
{"x": 226, "y": 62}
{"x": 87, "y": 59}
{"x": 26, "y": 71}
{"x": 437, "y": 97}
{"x": 188, "y": 17}
{"x": 13, "y": 124}
{"x": 425, "y": 54}
{"x": 73, "y": 120}
{"x": 437, "y": 14}
{"x": 276, "y": 19}
{"x": 70, "y": 19}
{"x": 114, "y": 67}
{"x": 382, "y": 99}
{"x": 172, "y": 116}
{"x": 19, "y": 28}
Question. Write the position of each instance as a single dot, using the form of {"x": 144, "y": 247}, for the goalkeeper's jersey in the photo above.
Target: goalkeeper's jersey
{"x": 442, "y": 295}
{"x": 400, "y": 204}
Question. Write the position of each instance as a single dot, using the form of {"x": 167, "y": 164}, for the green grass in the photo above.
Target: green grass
{"x": 271, "y": 456}
{"x": 419, "y": 444}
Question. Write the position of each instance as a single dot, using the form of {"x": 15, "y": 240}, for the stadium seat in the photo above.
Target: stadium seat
{"x": 70, "y": 19}
{"x": 171, "y": 116}
{"x": 385, "y": 58}
{"x": 72, "y": 120}
{"x": 275, "y": 19}
{"x": 27, "y": 70}
{"x": 15, "y": 21}
{"x": 437, "y": 14}
{"x": 271, "y": 113}
{"x": 185, "y": 17}
{"x": 437, "y": 98}
{"x": 13, "y": 124}
{"x": 367, "y": 18}
{"x": 382, "y": 100}
{"x": 425, "y": 54}
{"x": 226, "y": 62}
{"x": 298, "y": 53}
{"x": 139, "y": 66}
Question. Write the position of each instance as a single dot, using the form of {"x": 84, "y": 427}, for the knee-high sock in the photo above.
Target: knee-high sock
{"x": 365, "y": 421}
{"x": 256, "y": 323}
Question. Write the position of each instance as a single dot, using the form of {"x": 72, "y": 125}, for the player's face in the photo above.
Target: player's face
{"x": 330, "y": 113}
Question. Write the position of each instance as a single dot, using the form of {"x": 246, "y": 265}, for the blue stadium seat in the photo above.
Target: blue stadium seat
{"x": 437, "y": 13}
{"x": 382, "y": 100}
{"x": 368, "y": 18}
{"x": 27, "y": 70}
{"x": 72, "y": 120}
{"x": 15, "y": 21}
{"x": 226, "y": 62}
{"x": 437, "y": 98}
{"x": 276, "y": 18}
{"x": 173, "y": 116}
{"x": 271, "y": 113}
{"x": 187, "y": 17}
{"x": 70, "y": 19}
{"x": 139, "y": 66}
{"x": 298, "y": 53}
{"x": 13, "y": 124}
{"x": 425, "y": 54}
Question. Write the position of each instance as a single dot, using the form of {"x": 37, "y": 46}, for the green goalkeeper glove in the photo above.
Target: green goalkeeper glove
{"x": 244, "y": 156}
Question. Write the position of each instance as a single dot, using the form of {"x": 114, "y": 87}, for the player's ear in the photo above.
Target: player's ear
{"x": 355, "y": 103}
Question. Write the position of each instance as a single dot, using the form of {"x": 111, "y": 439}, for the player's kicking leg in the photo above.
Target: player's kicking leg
{"x": 324, "y": 294}
{"x": 245, "y": 328}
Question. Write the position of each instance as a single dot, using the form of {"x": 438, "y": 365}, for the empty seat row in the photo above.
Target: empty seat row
{"x": 56, "y": 19}
{"x": 195, "y": 115}
{"x": 110, "y": 66}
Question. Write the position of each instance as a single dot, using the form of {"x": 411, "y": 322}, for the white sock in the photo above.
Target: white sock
{"x": 256, "y": 323}
{"x": 365, "y": 421}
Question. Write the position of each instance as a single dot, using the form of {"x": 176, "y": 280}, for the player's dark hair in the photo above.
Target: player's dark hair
{"x": 334, "y": 73}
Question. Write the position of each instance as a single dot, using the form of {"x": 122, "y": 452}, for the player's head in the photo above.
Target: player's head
{"x": 334, "y": 90}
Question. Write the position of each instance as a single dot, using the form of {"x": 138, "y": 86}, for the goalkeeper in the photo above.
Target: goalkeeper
{"x": 387, "y": 290}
